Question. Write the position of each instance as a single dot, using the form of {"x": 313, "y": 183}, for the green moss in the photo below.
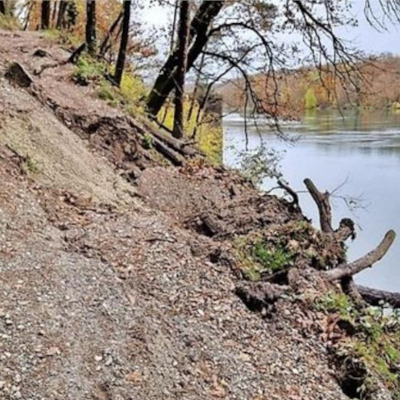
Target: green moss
{"x": 108, "y": 93}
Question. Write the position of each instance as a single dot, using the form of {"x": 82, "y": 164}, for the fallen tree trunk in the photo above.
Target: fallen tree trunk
{"x": 178, "y": 145}
{"x": 376, "y": 297}
{"x": 348, "y": 270}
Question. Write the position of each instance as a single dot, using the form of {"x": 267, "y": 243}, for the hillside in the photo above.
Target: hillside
{"x": 120, "y": 273}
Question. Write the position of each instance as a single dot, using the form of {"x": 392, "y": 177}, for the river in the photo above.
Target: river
{"x": 359, "y": 149}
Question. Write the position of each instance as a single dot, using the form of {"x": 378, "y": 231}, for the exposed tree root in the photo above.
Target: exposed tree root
{"x": 351, "y": 269}
{"x": 324, "y": 206}
{"x": 377, "y": 297}
{"x": 346, "y": 271}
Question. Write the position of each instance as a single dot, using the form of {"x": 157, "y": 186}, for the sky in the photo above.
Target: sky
{"x": 367, "y": 38}
{"x": 364, "y": 36}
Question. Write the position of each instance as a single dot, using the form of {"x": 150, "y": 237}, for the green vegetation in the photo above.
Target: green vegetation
{"x": 30, "y": 165}
{"x": 260, "y": 164}
{"x": 148, "y": 141}
{"x": 374, "y": 341}
{"x": 259, "y": 257}
{"x": 88, "y": 70}
{"x": 310, "y": 100}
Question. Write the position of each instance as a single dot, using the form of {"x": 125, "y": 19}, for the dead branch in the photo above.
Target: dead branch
{"x": 346, "y": 230}
{"x": 323, "y": 204}
{"x": 348, "y": 270}
{"x": 376, "y": 297}
{"x": 291, "y": 192}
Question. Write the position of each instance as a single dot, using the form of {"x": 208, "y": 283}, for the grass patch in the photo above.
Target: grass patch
{"x": 258, "y": 257}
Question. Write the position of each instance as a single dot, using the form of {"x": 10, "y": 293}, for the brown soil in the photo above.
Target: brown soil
{"x": 108, "y": 290}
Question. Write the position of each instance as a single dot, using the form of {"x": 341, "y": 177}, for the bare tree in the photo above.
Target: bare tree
{"x": 183, "y": 41}
{"x": 198, "y": 37}
{"x": 91, "y": 38}
{"x": 46, "y": 14}
{"x": 119, "y": 69}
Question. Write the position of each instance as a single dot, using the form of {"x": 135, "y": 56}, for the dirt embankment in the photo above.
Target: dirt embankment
{"x": 116, "y": 287}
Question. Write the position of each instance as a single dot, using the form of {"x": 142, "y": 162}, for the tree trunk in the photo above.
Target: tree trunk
{"x": 91, "y": 26}
{"x": 183, "y": 41}
{"x": 56, "y": 5}
{"x": 2, "y": 7}
{"x": 46, "y": 13}
{"x": 113, "y": 27}
{"x": 62, "y": 8}
{"x": 119, "y": 69}
{"x": 198, "y": 38}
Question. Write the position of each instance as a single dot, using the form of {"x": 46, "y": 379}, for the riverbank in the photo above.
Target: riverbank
{"x": 124, "y": 276}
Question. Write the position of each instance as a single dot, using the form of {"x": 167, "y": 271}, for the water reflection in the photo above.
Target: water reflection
{"x": 362, "y": 147}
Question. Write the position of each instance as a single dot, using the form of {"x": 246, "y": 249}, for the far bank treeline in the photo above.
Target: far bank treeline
{"x": 375, "y": 86}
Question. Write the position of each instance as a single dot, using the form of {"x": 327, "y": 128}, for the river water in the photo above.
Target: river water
{"x": 359, "y": 149}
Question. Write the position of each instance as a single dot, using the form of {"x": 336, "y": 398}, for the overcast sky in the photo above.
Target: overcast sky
{"x": 367, "y": 38}
{"x": 364, "y": 36}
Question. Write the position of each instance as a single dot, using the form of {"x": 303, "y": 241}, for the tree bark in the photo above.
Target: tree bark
{"x": 183, "y": 41}
{"x": 2, "y": 7}
{"x": 348, "y": 270}
{"x": 91, "y": 26}
{"x": 198, "y": 38}
{"x": 46, "y": 13}
{"x": 62, "y": 8}
{"x": 119, "y": 69}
